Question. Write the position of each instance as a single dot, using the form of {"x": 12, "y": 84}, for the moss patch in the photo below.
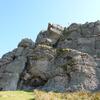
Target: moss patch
{"x": 61, "y": 51}
{"x": 38, "y": 58}
{"x": 45, "y": 46}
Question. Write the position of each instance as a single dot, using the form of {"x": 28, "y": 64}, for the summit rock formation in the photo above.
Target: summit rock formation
{"x": 62, "y": 59}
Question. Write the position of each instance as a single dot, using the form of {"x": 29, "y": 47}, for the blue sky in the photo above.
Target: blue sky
{"x": 25, "y": 18}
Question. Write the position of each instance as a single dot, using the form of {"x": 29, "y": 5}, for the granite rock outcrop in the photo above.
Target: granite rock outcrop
{"x": 62, "y": 59}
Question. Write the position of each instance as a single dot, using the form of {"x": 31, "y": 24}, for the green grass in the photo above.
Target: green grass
{"x": 42, "y": 95}
{"x": 16, "y": 95}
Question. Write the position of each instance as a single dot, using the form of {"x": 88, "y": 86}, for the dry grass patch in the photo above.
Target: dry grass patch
{"x": 42, "y": 95}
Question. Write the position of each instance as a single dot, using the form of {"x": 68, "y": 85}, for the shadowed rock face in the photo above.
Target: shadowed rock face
{"x": 61, "y": 59}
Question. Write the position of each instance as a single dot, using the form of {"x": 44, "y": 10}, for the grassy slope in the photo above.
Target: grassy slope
{"x": 41, "y": 95}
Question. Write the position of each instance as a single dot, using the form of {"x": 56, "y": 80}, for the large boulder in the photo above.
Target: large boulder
{"x": 10, "y": 74}
{"x": 78, "y": 72}
{"x": 51, "y": 36}
{"x": 59, "y": 70}
{"x": 40, "y": 62}
{"x": 39, "y": 67}
{"x": 26, "y": 43}
{"x": 82, "y": 37}
{"x": 62, "y": 59}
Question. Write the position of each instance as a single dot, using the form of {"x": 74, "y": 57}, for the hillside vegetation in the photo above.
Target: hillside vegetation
{"x": 42, "y": 95}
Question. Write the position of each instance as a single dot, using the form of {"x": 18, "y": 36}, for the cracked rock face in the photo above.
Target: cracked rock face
{"x": 51, "y": 36}
{"x": 78, "y": 72}
{"x": 61, "y": 59}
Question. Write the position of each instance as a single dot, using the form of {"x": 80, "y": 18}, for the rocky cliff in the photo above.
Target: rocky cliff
{"x": 61, "y": 59}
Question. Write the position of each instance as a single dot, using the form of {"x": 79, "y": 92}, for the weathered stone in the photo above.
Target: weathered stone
{"x": 18, "y": 51}
{"x": 87, "y": 29}
{"x": 97, "y": 42}
{"x": 41, "y": 36}
{"x": 40, "y": 61}
{"x": 74, "y": 27}
{"x": 56, "y": 27}
{"x": 97, "y": 62}
{"x": 27, "y": 52}
{"x": 74, "y": 35}
{"x": 10, "y": 74}
{"x": 7, "y": 58}
{"x": 17, "y": 66}
{"x": 78, "y": 72}
{"x": 58, "y": 61}
{"x": 97, "y": 28}
{"x": 51, "y": 36}
{"x": 46, "y": 41}
{"x": 98, "y": 53}
{"x": 8, "y": 55}
{"x": 86, "y": 49}
{"x": 8, "y": 81}
{"x": 87, "y": 45}
{"x": 58, "y": 83}
{"x": 67, "y": 43}
{"x": 26, "y": 43}
{"x": 86, "y": 40}
{"x": 76, "y": 60}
